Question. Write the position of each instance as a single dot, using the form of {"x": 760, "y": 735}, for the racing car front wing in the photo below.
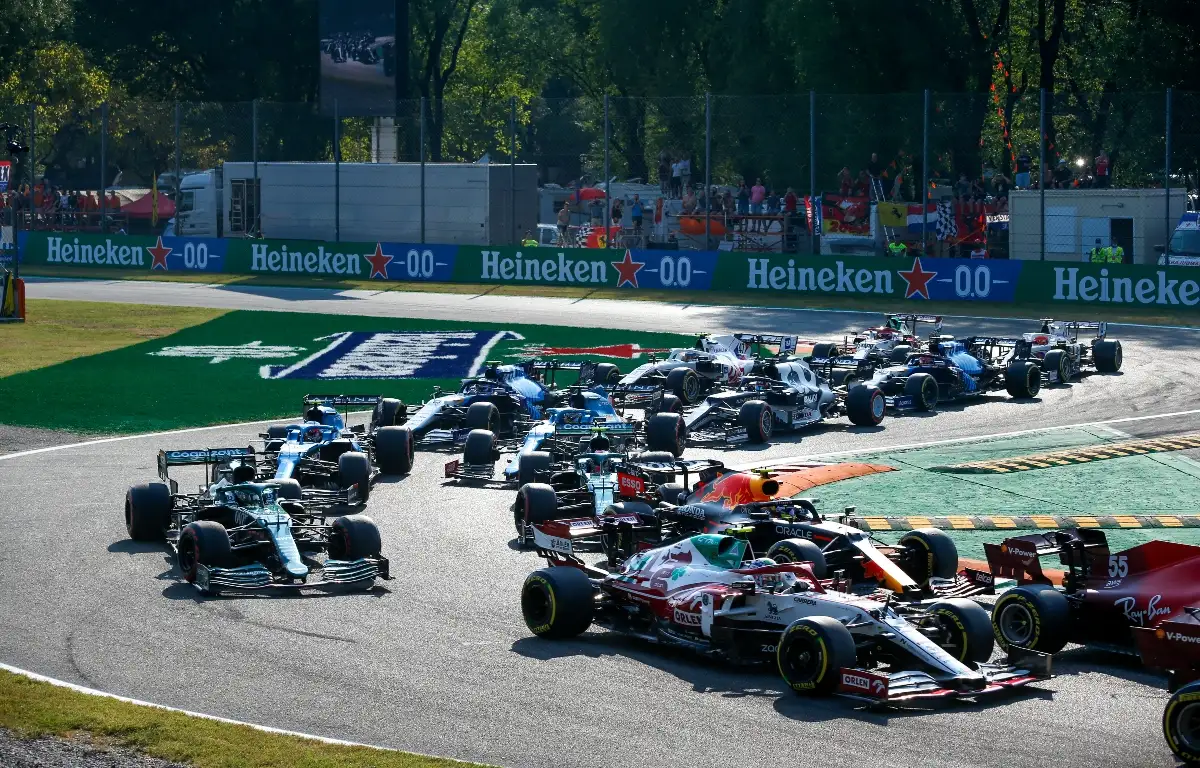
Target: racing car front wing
{"x": 256, "y": 577}
{"x": 902, "y": 688}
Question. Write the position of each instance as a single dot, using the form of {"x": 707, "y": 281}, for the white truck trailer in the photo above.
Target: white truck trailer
{"x": 465, "y": 203}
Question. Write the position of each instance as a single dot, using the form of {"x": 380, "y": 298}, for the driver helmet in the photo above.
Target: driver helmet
{"x": 761, "y": 562}
{"x": 312, "y": 435}
{"x": 885, "y": 333}
{"x": 578, "y": 401}
{"x": 243, "y": 473}
{"x": 690, "y": 356}
{"x": 599, "y": 443}
{"x": 313, "y": 414}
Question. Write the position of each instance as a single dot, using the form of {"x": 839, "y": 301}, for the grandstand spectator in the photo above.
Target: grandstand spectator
{"x": 962, "y": 188}
{"x": 676, "y": 179}
{"x": 564, "y": 222}
{"x": 1001, "y": 185}
{"x": 743, "y": 201}
{"x": 635, "y": 215}
{"x": 845, "y": 182}
{"x": 758, "y": 194}
{"x": 618, "y": 210}
{"x": 660, "y": 219}
{"x": 689, "y": 201}
{"x": 772, "y": 208}
{"x": 874, "y": 167}
{"x": 685, "y": 174}
{"x": 1103, "y": 170}
{"x": 897, "y": 195}
{"x": 862, "y": 185}
{"x": 1024, "y": 166}
{"x": 664, "y": 173}
{"x": 1062, "y": 175}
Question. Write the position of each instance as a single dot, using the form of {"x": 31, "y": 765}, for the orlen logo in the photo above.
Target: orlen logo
{"x": 628, "y": 485}
{"x": 687, "y": 618}
{"x": 856, "y": 681}
{"x": 1010, "y": 549}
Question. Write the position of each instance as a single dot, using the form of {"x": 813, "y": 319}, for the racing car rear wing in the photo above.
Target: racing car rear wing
{"x": 336, "y": 401}
{"x": 195, "y": 456}
{"x": 786, "y": 344}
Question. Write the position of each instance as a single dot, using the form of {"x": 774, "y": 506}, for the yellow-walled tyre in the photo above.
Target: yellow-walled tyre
{"x": 557, "y": 603}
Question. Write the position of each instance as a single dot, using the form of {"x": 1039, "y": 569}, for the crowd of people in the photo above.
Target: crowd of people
{"x": 46, "y": 205}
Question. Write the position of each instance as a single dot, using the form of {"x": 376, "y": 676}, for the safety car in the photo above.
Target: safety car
{"x": 702, "y": 594}
{"x": 237, "y": 534}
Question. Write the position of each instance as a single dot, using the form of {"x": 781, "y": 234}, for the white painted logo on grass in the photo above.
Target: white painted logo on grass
{"x": 254, "y": 350}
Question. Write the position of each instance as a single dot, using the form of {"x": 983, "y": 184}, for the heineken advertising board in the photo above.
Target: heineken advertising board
{"x": 913, "y": 278}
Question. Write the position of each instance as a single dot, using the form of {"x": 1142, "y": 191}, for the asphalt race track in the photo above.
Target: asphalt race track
{"x": 440, "y": 661}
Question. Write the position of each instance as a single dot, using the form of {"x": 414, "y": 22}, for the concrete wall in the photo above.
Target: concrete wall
{"x": 1075, "y": 218}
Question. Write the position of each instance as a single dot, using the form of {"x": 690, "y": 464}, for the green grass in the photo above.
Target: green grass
{"x": 30, "y": 708}
{"x": 57, "y": 331}
{"x": 1153, "y": 316}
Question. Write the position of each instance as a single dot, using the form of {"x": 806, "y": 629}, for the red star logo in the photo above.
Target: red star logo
{"x": 917, "y": 280}
{"x": 628, "y": 269}
{"x": 159, "y": 253}
{"x": 379, "y": 262}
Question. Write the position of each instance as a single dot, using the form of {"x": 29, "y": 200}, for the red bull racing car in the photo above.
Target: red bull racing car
{"x": 703, "y": 594}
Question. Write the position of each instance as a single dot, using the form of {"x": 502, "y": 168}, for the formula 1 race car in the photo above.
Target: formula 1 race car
{"x": 236, "y": 534}
{"x": 563, "y": 434}
{"x": 650, "y": 507}
{"x": 1062, "y": 357}
{"x": 1174, "y": 647}
{"x": 959, "y": 370}
{"x": 857, "y": 358}
{"x": 690, "y": 374}
{"x": 322, "y": 453}
{"x": 702, "y": 595}
{"x": 505, "y": 399}
{"x": 783, "y": 395}
{"x": 588, "y": 485}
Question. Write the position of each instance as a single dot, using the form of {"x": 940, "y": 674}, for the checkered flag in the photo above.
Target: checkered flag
{"x": 947, "y": 224}
{"x": 582, "y": 234}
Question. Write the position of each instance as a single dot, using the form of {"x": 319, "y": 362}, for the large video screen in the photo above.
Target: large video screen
{"x": 358, "y": 56}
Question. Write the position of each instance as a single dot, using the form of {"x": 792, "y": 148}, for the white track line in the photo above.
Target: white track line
{"x": 951, "y": 441}
{"x": 264, "y": 728}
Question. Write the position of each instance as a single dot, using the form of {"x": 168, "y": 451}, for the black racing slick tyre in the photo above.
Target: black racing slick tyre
{"x": 394, "y": 450}
{"x": 655, "y": 457}
{"x": 1023, "y": 379}
{"x": 277, "y": 432}
{"x": 666, "y": 432}
{"x": 202, "y": 542}
{"x": 1181, "y": 723}
{"x": 1108, "y": 355}
{"x": 354, "y": 468}
{"x": 824, "y": 351}
{"x": 607, "y": 373}
{"x": 389, "y": 412}
{"x": 758, "y": 420}
{"x": 148, "y": 511}
{"x": 672, "y": 493}
{"x": 354, "y": 536}
{"x": 923, "y": 389}
{"x": 482, "y": 416}
{"x": 534, "y": 467}
{"x": 928, "y": 553}
{"x": 865, "y": 406}
{"x": 811, "y": 653}
{"x": 480, "y": 448}
{"x": 899, "y": 354}
{"x": 288, "y": 488}
{"x": 966, "y": 630}
{"x": 536, "y": 503}
{"x": 1058, "y": 362}
{"x": 799, "y": 551}
{"x": 670, "y": 404}
{"x": 557, "y": 603}
{"x": 684, "y": 383}
{"x": 1035, "y": 616}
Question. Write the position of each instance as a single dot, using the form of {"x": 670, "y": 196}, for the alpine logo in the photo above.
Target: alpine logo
{"x": 394, "y": 355}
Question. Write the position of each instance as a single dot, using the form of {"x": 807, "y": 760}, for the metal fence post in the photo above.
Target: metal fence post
{"x": 422, "y": 139}
{"x": 103, "y": 163}
{"x": 512, "y": 167}
{"x": 337, "y": 173}
{"x": 707, "y": 170}
{"x": 32, "y": 145}
{"x": 1042, "y": 169}
{"x": 1167, "y": 175}
{"x": 812, "y": 170}
{"x": 178, "y": 163}
{"x": 254, "y": 159}
{"x": 607, "y": 209}
{"x": 925, "y": 176}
